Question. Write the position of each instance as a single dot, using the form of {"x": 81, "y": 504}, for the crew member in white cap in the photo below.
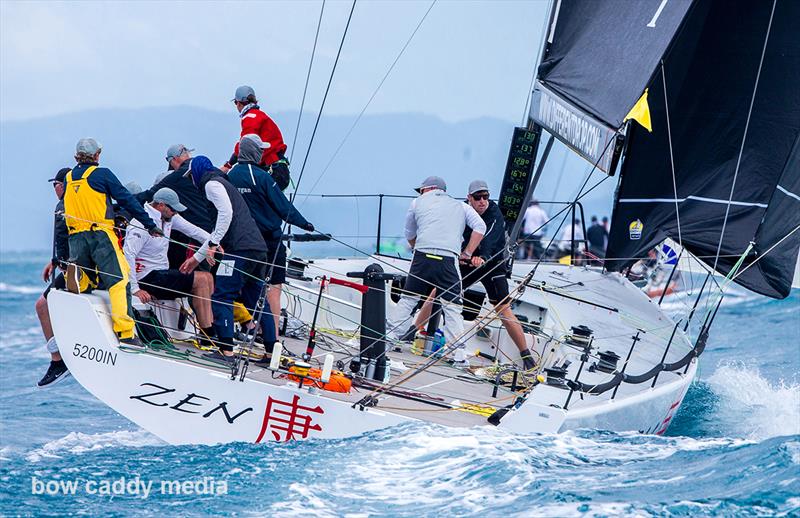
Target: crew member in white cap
{"x": 434, "y": 226}
{"x": 151, "y": 277}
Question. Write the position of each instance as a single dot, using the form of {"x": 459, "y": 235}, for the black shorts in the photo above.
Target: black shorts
{"x": 430, "y": 271}
{"x": 59, "y": 283}
{"x": 167, "y": 284}
{"x": 276, "y": 256}
{"x": 493, "y": 278}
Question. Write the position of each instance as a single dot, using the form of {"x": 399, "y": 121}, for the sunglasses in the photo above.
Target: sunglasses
{"x": 479, "y": 197}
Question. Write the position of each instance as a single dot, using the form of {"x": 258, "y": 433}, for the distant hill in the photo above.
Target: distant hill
{"x": 384, "y": 154}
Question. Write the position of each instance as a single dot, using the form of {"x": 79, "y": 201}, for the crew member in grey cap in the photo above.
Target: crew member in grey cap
{"x": 93, "y": 247}
{"x": 488, "y": 266}
{"x": 255, "y": 121}
{"x": 198, "y": 211}
{"x": 151, "y": 277}
{"x": 435, "y": 223}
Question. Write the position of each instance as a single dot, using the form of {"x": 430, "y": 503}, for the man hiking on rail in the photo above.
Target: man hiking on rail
{"x": 434, "y": 226}
{"x": 242, "y": 268}
{"x": 93, "y": 247}
{"x": 270, "y": 208}
{"x": 57, "y": 370}
{"x": 273, "y": 158}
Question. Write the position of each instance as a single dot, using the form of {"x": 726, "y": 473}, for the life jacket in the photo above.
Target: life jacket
{"x": 338, "y": 382}
{"x": 85, "y": 208}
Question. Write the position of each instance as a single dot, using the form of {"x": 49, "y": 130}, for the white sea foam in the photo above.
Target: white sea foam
{"x": 24, "y": 290}
{"x": 77, "y": 443}
{"x": 759, "y": 408}
{"x": 479, "y": 468}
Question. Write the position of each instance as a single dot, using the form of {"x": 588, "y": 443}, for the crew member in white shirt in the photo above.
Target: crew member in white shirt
{"x": 435, "y": 224}
{"x": 151, "y": 278}
{"x": 533, "y": 230}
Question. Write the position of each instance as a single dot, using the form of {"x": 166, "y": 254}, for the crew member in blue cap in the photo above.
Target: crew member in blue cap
{"x": 93, "y": 245}
{"x": 273, "y": 158}
{"x": 242, "y": 265}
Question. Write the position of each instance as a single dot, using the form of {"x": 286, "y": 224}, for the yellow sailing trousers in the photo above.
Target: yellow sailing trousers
{"x": 98, "y": 254}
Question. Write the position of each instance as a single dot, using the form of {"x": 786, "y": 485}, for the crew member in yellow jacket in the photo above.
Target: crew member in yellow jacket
{"x": 93, "y": 247}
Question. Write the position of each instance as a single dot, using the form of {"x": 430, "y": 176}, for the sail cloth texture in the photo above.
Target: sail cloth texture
{"x": 604, "y": 53}
{"x": 734, "y": 121}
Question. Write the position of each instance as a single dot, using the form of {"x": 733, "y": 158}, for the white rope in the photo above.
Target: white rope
{"x": 671, "y": 156}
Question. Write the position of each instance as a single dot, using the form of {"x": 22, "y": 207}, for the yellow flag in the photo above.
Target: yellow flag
{"x": 641, "y": 112}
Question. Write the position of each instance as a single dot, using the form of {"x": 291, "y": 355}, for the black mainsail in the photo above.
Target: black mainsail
{"x": 721, "y": 167}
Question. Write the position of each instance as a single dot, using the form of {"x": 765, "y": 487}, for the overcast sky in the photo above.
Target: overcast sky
{"x": 469, "y": 59}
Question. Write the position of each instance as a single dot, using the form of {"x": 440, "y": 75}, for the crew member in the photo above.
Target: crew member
{"x": 488, "y": 266}
{"x": 269, "y": 207}
{"x": 57, "y": 370}
{"x": 198, "y": 211}
{"x": 151, "y": 276}
{"x": 434, "y": 226}
{"x": 533, "y": 229}
{"x": 597, "y": 236}
{"x": 242, "y": 268}
{"x": 254, "y": 120}
{"x": 92, "y": 242}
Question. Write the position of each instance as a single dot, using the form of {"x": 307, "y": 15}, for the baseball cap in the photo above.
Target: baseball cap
{"x": 432, "y": 181}
{"x": 169, "y": 197}
{"x": 176, "y": 150}
{"x": 242, "y": 93}
{"x": 477, "y": 186}
{"x": 88, "y": 146}
{"x": 61, "y": 175}
{"x": 133, "y": 187}
{"x": 256, "y": 140}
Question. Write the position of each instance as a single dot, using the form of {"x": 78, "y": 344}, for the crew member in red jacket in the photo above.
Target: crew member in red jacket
{"x": 256, "y": 121}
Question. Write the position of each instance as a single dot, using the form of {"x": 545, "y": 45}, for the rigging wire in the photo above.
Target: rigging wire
{"x": 324, "y": 98}
{"x": 744, "y": 136}
{"x": 308, "y": 76}
{"x": 371, "y": 98}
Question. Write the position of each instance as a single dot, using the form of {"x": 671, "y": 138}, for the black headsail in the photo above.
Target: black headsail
{"x": 726, "y": 108}
{"x": 598, "y": 59}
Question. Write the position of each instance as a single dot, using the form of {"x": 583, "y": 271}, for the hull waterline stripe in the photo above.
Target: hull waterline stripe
{"x": 695, "y": 198}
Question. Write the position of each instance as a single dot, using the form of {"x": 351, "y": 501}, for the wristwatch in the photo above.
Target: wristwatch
{"x": 212, "y": 244}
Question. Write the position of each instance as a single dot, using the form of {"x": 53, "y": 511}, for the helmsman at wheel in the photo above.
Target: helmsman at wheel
{"x": 434, "y": 226}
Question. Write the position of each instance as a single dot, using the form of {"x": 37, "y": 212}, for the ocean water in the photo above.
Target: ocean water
{"x": 732, "y": 450}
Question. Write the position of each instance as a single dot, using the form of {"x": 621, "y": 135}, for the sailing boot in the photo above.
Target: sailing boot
{"x": 132, "y": 340}
{"x": 56, "y": 372}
